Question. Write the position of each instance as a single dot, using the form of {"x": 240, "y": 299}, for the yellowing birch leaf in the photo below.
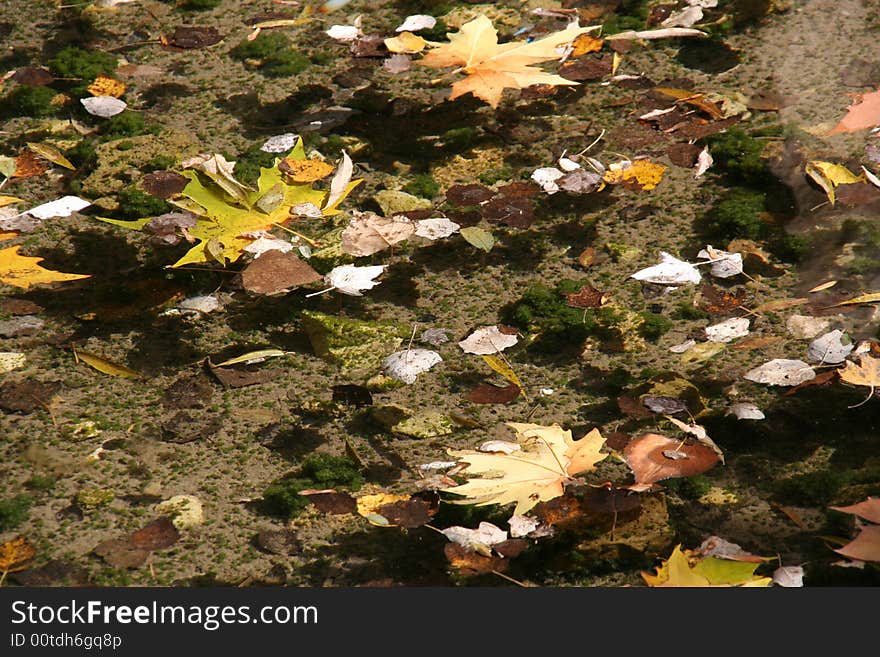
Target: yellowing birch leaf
{"x": 829, "y": 176}
{"x": 492, "y": 67}
{"x": 549, "y": 459}
{"x": 687, "y": 568}
{"x": 52, "y": 154}
{"x": 406, "y": 43}
{"x": 502, "y": 368}
{"x": 23, "y": 271}
{"x": 105, "y": 366}
{"x": 476, "y": 236}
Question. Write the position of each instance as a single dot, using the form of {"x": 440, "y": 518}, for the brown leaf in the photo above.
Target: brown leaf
{"x": 860, "y": 193}
{"x": 861, "y": 115}
{"x": 633, "y": 408}
{"x": 12, "y": 306}
{"x": 190, "y": 38}
{"x": 610, "y": 499}
{"x": 120, "y": 553}
{"x": 511, "y": 548}
{"x": 27, "y": 395}
{"x": 156, "y": 535}
{"x": 239, "y": 379}
{"x": 275, "y": 272}
{"x": 279, "y": 541}
{"x": 767, "y": 101}
{"x": 54, "y": 573}
{"x": 820, "y": 379}
{"x": 683, "y": 154}
{"x": 587, "y": 68}
{"x": 587, "y": 257}
{"x": 466, "y": 195}
{"x": 409, "y": 513}
{"x": 865, "y": 546}
{"x": 868, "y": 509}
{"x": 486, "y": 393}
{"x": 371, "y": 45}
{"x": 163, "y": 184}
{"x": 645, "y": 457}
{"x": 759, "y": 342}
{"x": 468, "y": 563}
{"x": 513, "y": 212}
{"x": 564, "y": 511}
{"x": 587, "y": 297}
{"x": 331, "y": 501}
{"x": 29, "y": 164}
{"x": 33, "y": 76}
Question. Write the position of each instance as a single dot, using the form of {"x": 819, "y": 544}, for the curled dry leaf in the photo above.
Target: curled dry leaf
{"x": 645, "y": 457}
{"x": 670, "y": 271}
{"x": 368, "y": 233}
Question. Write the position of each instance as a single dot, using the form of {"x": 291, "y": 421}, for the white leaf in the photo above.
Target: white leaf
{"x": 202, "y": 304}
{"x": 724, "y": 264}
{"x": 568, "y": 165}
{"x": 745, "y": 411}
{"x": 670, "y": 271}
{"x": 416, "y": 22}
{"x": 789, "y": 576}
{"x": 521, "y": 525}
{"x": 546, "y": 177}
{"x": 434, "y": 336}
{"x": 629, "y": 35}
{"x": 343, "y": 32}
{"x": 486, "y": 534}
{"x": 781, "y": 372}
{"x": 351, "y": 279}
{"x": 62, "y": 207}
{"x": 704, "y": 161}
{"x": 306, "y": 210}
{"x": 684, "y": 18}
{"x": 259, "y": 246}
{"x": 103, "y": 106}
{"x": 436, "y": 228}
{"x": 407, "y": 364}
{"x": 280, "y": 143}
{"x": 487, "y": 340}
{"x": 729, "y": 329}
{"x": 873, "y": 179}
{"x": 829, "y": 349}
{"x": 683, "y": 347}
{"x": 340, "y": 180}
{"x": 503, "y": 446}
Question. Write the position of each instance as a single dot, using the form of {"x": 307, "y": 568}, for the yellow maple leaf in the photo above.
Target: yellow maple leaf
{"x": 15, "y": 555}
{"x": 538, "y": 472}
{"x": 829, "y": 176}
{"x": 492, "y": 67}
{"x": 638, "y": 174}
{"x": 689, "y": 569}
{"x": 23, "y": 271}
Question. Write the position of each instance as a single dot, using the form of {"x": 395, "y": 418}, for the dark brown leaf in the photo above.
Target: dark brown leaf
{"x": 511, "y": 548}
{"x": 120, "y": 553}
{"x": 241, "y": 378}
{"x": 409, "y": 513}
{"x": 632, "y": 407}
{"x": 28, "y": 395}
{"x": 33, "y": 76}
{"x": 587, "y": 297}
{"x": 156, "y": 535}
{"x": 587, "y": 68}
{"x": 352, "y": 395}
{"x": 164, "y": 184}
{"x": 513, "y": 212}
{"x": 19, "y": 307}
{"x": 331, "y": 501}
{"x": 721, "y": 302}
{"x": 184, "y": 428}
{"x": 860, "y": 193}
{"x": 169, "y": 227}
{"x": 519, "y": 190}
{"x": 189, "y": 38}
{"x": 561, "y": 512}
{"x": 467, "y": 195}
{"x": 683, "y": 154}
{"x": 486, "y": 393}
{"x": 610, "y": 500}
{"x": 275, "y": 272}
{"x": 189, "y": 391}
{"x": 54, "y": 573}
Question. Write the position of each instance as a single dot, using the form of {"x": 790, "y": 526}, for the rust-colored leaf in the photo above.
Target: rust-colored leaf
{"x": 331, "y": 501}
{"x": 587, "y": 297}
{"x": 275, "y": 272}
{"x": 861, "y": 115}
{"x": 16, "y": 554}
{"x": 650, "y": 458}
{"x": 865, "y": 546}
{"x": 486, "y": 393}
{"x": 28, "y": 164}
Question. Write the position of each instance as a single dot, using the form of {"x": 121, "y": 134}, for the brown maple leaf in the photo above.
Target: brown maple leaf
{"x": 492, "y": 67}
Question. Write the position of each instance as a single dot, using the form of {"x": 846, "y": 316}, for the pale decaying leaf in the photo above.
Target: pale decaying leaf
{"x": 416, "y": 22}
{"x": 789, "y": 576}
{"x": 723, "y": 263}
{"x": 729, "y": 329}
{"x": 670, "y": 271}
{"x": 662, "y": 33}
{"x": 487, "y": 340}
{"x": 704, "y": 162}
{"x": 485, "y": 535}
{"x": 781, "y": 372}
{"x": 280, "y": 143}
{"x": 368, "y": 233}
{"x": 436, "y": 228}
{"x": 549, "y": 459}
{"x": 351, "y": 279}
{"x": 492, "y": 67}
{"x": 829, "y": 349}
{"x": 340, "y": 182}
{"x": 103, "y": 106}
{"x": 407, "y": 364}
{"x": 546, "y": 177}
{"x": 745, "y": 411}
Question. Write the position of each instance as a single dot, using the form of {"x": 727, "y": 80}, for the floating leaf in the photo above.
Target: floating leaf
{"x": 52, "y": 154}
{"x": 23, "y": 271}
{"x": 501, "y": 366}
{"x": 407, "y": 364}
{"x": 476, "y": 236}
{"x": 252, "y": 357}
{"x": 488, "y": 340}
{"x": 106, "y": 366}
{"x": 781, "y": 372}
{"x": 103, "y": 106}
{"x": 15, "y": 555}
{"x": 639, "y": 174}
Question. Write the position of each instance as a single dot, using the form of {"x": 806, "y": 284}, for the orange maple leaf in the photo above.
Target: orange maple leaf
{"x": 492, "y": 67}
{"x": 863, "y": 114}
{"x": 23, "y": 271}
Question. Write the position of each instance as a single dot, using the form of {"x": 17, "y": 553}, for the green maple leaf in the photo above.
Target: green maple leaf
{"x": 224, "y": 219}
